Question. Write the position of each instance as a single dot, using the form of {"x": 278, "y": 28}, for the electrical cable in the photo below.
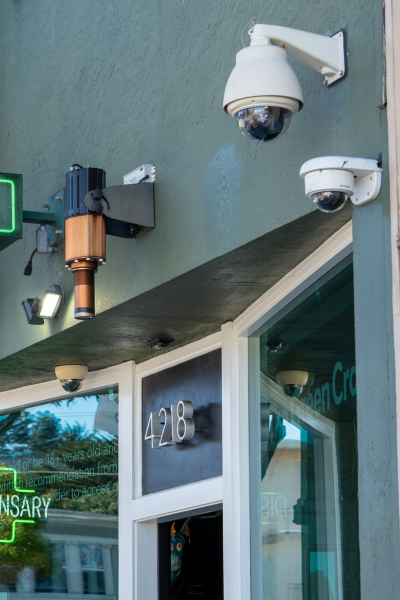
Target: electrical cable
{"x": 253, "y": 22}
{"x": 144, "y": 178}
{"x": 28, "y": 268}
{"x": 106, "y": 201}
{"x": 76, "y": 165}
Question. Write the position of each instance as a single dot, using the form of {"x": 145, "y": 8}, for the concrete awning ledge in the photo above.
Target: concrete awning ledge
{"x": 186, "y": 308}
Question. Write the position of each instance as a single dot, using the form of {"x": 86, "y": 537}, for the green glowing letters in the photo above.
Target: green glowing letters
{"x": 11, "y": 208}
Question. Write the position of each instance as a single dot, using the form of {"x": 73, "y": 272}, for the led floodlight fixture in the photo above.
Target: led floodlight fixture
{"x": 49, "y": 307}
{"x": 52, "y": 302}
{"x": 31, "y": 308}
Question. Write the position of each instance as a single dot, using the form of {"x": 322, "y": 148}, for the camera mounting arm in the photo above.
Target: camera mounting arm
{"x": 323, "y": 54}
{"x": 128, "y": 209}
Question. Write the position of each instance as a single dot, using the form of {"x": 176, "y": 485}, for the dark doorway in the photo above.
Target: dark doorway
{"x": 191, "y": 558}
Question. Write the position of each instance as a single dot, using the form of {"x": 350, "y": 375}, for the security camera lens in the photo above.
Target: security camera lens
{"x": 263, "y": 123}
{"x": 330, "y": 202}
{"x": 293, "y": 390}
{"x": 71, "y": 385}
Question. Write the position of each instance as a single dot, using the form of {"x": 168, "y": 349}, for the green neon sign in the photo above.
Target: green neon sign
{"x": 12, "y": 184}
{"x": 16, "y": 489}
{"x": 11, "y": 209}
{"x": 14, "y": 524}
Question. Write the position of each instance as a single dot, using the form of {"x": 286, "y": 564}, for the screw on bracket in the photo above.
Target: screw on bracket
{"x": 59, "y": 198}
{"x": 46, "y": 206}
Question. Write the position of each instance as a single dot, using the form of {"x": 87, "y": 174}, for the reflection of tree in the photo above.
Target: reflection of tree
{"x": 276, "y": 433}
{"x": 41, "y": 436}
{"x": 30, "y": 549}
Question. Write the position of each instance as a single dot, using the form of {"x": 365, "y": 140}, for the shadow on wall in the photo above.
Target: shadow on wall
{"x": 223, "y": 199}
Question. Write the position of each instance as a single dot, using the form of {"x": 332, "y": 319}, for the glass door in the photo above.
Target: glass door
{"x": 303, "y": 430}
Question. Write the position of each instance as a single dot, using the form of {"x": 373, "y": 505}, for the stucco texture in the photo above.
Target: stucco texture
{"x": 118, "y": 84}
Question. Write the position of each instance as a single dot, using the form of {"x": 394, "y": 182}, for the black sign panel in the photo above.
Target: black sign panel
{"x": 197, "y": 381}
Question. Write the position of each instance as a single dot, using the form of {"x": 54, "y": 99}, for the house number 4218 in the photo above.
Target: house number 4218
{"x": 177, "y": 426}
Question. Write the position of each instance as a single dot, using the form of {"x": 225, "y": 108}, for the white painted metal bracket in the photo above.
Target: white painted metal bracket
{"x": 319, "y": 52}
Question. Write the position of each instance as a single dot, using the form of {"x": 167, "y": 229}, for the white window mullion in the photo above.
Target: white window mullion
{"x": 108, "y": 576}
{"x": 126, "y": 475}
{"x": 235, "y": 465}
{"x": 73, "y": 568}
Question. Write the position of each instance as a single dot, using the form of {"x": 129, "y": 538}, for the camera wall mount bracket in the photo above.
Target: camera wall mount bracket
{"x": 53, "y": 219}
{"x": 128, "y": 209}
{"x": 319, "y": 52}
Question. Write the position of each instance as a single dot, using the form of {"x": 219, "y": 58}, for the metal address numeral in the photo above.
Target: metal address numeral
{"x": 185, "y": 426}
{"x": 178, "y": 425}
{"x": 166, "y": 434}
{"x": 174, "y": 417}
{"x": 153, "y": 431}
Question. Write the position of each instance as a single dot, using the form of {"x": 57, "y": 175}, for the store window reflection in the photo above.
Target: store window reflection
{"x": 59, "y": 499}
{"x": 305, "y": 510}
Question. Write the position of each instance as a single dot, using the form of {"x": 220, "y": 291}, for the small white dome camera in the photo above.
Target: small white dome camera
{"x": 263, "y": 91}
{"x": 331, "y": 180}
{"x": 292, "y": 382}
{"x": 71, "y": 376}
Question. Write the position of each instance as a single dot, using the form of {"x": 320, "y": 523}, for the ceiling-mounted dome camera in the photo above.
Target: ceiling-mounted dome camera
{"x": 71, "y": 376}
{"x": 331, "y": 180}
{"x": 292, "y": 382}
{"x": 263, "y": 91}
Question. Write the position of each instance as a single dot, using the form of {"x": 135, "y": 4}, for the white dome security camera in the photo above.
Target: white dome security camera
{"x": 331, "y": 180}
{"x": 292, "y": 382}
{"x": 263, "y": 91}
{"x": 71, "y": 376}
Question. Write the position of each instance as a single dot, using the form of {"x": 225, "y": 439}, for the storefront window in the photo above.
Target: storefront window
{"x": 59, "y": 499}
{"x": 304, "y": 421}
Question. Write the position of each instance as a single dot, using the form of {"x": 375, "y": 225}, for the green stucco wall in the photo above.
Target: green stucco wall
{"x": 118, "y": 84}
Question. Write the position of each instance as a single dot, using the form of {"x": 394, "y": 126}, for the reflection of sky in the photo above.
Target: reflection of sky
{"x": 292, "y": 432}
{"x": 80, "y": 410}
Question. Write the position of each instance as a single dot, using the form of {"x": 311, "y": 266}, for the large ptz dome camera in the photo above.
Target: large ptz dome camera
{"x": 331, "y": 180}
{"x": 263, "y": 91}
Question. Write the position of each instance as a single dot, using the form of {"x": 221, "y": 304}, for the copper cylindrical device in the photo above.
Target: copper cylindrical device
{"x": 85, "y": 249}
{"x": 85, "y": 238}
{"x": 84, "y": 294}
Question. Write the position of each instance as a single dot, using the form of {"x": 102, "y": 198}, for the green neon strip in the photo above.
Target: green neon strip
{"x": 12, "y": 206}
{"x": 15, "y": 479}
{"x": 13, "y": 530}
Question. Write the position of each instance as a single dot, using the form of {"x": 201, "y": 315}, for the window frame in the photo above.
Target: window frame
{"x": 138, "y": 515}
{"x": 121, "y": 375}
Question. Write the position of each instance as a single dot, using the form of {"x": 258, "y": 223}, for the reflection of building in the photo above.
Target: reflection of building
{"x": 85, "y": 558}
{"x": 281, "y": 537}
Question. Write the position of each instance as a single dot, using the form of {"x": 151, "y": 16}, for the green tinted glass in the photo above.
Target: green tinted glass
{"x": 304, "y": 505}
{"x": 59, "y": 499}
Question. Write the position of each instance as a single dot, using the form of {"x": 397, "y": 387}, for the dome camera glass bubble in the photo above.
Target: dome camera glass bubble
{"x": 293, "y": 390}
{"x": 71, "y": 385}
{"x": 330, "y": 202}
{"x": 263, "y": 123}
